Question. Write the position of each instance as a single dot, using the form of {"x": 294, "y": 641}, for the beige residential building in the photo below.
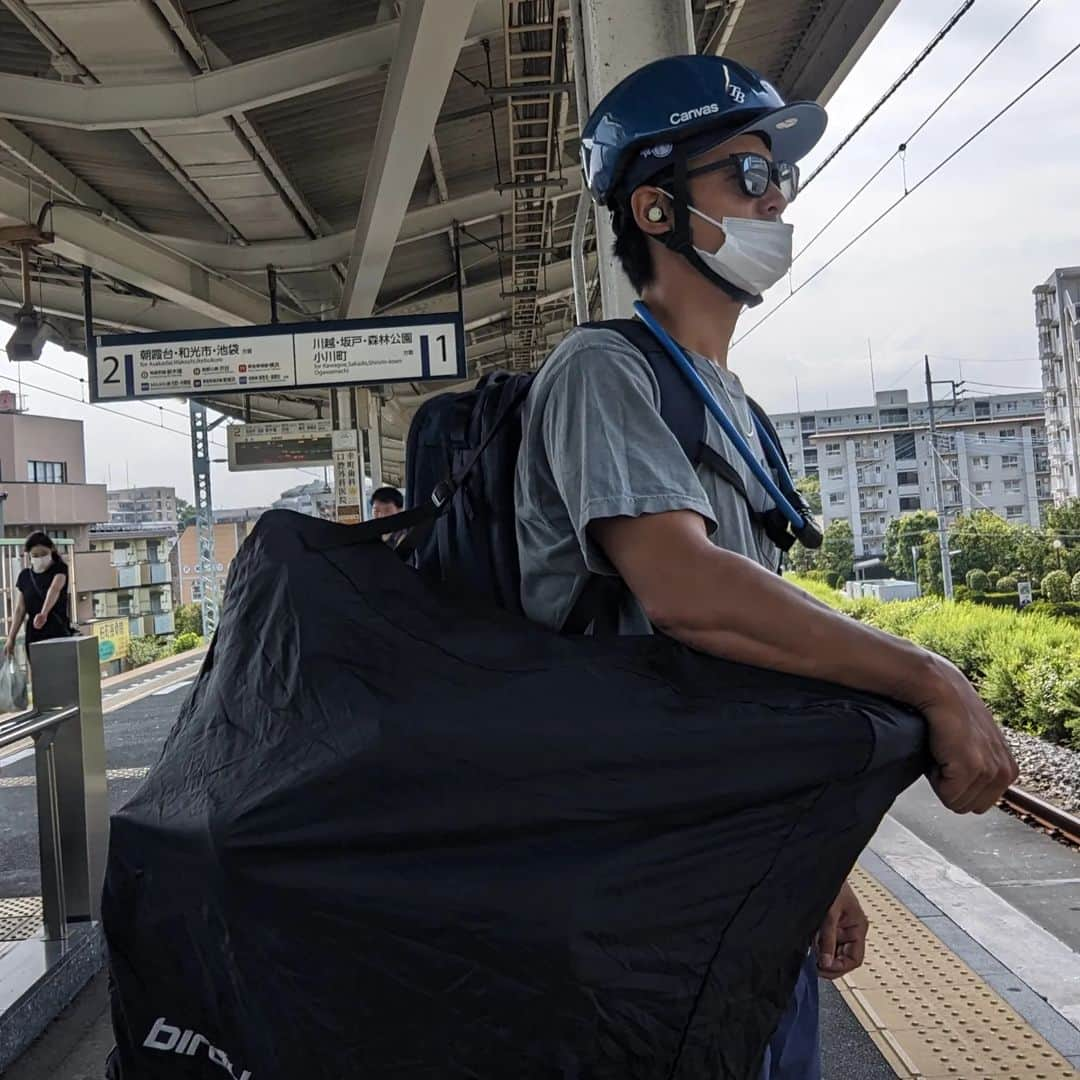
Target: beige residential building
{"x": 227, "y": 540}
{"x": 43, "y": 484}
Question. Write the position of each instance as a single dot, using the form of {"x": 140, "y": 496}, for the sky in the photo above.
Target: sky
{"x": 949, "y": 273}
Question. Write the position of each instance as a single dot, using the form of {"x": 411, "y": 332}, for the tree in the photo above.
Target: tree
{"x": 1033, "y": 553}
{"x": 810, "y": 489}
{"x": 904, "y": 533}
{"x": 187, "y": 619}
{"x": 983, "y": 541}
{"x": 1064, "y": 521}
{"x": 838, "y": 549}
{"x": 1055, "y": 587}
{"x": 185, "y": 513}
{"x": 801, "y": 560}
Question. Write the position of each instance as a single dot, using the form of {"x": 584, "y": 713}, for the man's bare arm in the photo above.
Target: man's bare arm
{"x": 721, "y": 603}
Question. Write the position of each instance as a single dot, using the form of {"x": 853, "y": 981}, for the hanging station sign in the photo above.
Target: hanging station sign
{"x": 286, "y": 356}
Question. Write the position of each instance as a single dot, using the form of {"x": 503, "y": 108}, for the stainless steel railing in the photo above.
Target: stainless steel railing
{"x": 67, "y": 730}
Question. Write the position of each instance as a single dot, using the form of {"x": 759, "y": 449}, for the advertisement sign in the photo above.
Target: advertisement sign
{"x": 113, "y": 639}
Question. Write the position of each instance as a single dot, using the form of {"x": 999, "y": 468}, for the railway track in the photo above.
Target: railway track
{"x": 1039, "y": 812}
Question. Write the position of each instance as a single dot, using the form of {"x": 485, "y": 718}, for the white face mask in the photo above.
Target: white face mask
{"x": 755, "y": 254}
{"x": 40, "y": 563}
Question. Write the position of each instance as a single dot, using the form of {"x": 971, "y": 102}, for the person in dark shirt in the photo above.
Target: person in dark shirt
{"x": 43, "y": 595}
{"x": 386, "y": 502}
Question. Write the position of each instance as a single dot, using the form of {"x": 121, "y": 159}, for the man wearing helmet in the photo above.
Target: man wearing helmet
{"x": 696, "y": 159}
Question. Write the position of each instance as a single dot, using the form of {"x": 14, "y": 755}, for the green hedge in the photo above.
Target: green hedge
{"x": 1026, "y": 665}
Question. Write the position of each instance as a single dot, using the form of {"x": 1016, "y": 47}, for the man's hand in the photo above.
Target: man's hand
{"x": 841, "y": 941}
{"x": 40, "y": 621}
{"x": 973, "y": 763}
{"x": 9, "y": 647}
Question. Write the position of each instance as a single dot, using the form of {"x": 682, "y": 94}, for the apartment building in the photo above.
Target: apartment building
{"x": 142, "y": 506}
{"x": 874, "y": 461}
{"x": 141, "y": 586}
{"x": 227, "y": 540}
{"x": 43, "y": 486}
{"x": 1057, "y": 321}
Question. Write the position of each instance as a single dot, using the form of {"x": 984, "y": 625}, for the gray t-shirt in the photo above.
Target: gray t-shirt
{"x": 595, "y": 446}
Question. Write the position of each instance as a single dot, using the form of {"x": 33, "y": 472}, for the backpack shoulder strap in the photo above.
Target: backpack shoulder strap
{"x": 681, "y": 409}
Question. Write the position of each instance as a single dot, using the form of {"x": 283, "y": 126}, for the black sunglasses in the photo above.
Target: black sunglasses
{"x": 756, "y": 172}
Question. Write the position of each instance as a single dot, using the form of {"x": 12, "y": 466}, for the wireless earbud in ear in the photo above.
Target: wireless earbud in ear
{"x": 655, "y": 214}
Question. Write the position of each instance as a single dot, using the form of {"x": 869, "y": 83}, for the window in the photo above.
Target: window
{"x": 836, "y": 472}
{"x": 910, "y": 502}
{"x": 837, "y": 498}
{"x": 982, "y": 410}
{"x": 832, "y": 449}
{"x": 1010, "y": 461}
{"x": 983, "y": 489}
{"x": 1007, "y": 433}
{"x": 907, "y": 478}
{"x": 1014, "y": 511}
{"x": 905, "y": 446}
{"x": 1012, "y": 487}
{"x": 980, "y": 461}
{"x": 46, "y": 472}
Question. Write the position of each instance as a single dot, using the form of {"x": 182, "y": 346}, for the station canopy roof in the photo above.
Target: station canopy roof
{"x": 179, "y": 148}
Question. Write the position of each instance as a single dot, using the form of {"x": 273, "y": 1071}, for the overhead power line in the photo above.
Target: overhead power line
{"x": 902, "y": 148}
{"x": 907, "y": 193}
{"x": 910, "y": 70}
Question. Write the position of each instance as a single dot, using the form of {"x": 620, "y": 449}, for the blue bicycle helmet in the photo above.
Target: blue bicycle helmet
{"x": 678, "y": 108}
{"x": 677, "y": 99}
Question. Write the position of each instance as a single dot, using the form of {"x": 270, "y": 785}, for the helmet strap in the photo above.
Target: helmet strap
{"x": 680, "y": 240}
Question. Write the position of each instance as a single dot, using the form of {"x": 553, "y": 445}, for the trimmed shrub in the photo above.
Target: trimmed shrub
{"x": 993, "y": 576}
{"x": 1026, "y": 665}
{"x": 1055, "y": 586}
{"x": 978, "y": 581}
{"x": 185, "y": 641}
{"x": 1007, "y": 583}
{"x": 1074, "y": 588}
{"x": 145, "y": 650}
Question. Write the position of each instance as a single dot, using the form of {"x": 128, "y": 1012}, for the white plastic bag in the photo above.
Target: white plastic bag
{"x": 12, "y": 686}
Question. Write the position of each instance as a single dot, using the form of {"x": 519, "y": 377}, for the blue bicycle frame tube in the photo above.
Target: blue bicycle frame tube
{"x": 685, "y": 365}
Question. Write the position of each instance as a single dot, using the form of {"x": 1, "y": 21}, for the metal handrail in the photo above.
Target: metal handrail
{"x": 33, "y": 722}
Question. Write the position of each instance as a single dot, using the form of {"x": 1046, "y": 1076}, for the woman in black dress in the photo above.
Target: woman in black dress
{"x": 43, "y": 595}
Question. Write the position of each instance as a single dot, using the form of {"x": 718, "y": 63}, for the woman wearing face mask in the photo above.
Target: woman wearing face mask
{"x": 43, "y": 595}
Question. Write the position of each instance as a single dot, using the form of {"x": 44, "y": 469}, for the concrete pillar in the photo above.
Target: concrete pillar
{"x": 621, "y": 36}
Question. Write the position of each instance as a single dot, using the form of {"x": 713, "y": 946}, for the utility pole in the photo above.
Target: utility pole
{"x": 939, "y": 489}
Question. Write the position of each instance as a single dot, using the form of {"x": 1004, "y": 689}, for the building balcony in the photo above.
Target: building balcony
{"x": 92, "y": 571}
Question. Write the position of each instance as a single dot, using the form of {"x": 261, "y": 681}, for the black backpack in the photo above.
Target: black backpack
{"x": 461, "y": 457}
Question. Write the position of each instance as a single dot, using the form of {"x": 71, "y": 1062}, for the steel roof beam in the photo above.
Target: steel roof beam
{"x": 294, "y": 255}
{"x": 112, "y": 310}
{"x": 486, "y": 300}
{"x": 432, "y": 34}
{"x": 250, "y": 85}
{"x": 85, "y": 237}
{"x": 837, "y": 37}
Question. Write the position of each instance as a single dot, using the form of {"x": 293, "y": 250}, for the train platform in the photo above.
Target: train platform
{"x": 973, "y": 961}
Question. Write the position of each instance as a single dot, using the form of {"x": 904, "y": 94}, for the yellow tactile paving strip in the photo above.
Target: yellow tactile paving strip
{"x": 929, "y": 1013}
